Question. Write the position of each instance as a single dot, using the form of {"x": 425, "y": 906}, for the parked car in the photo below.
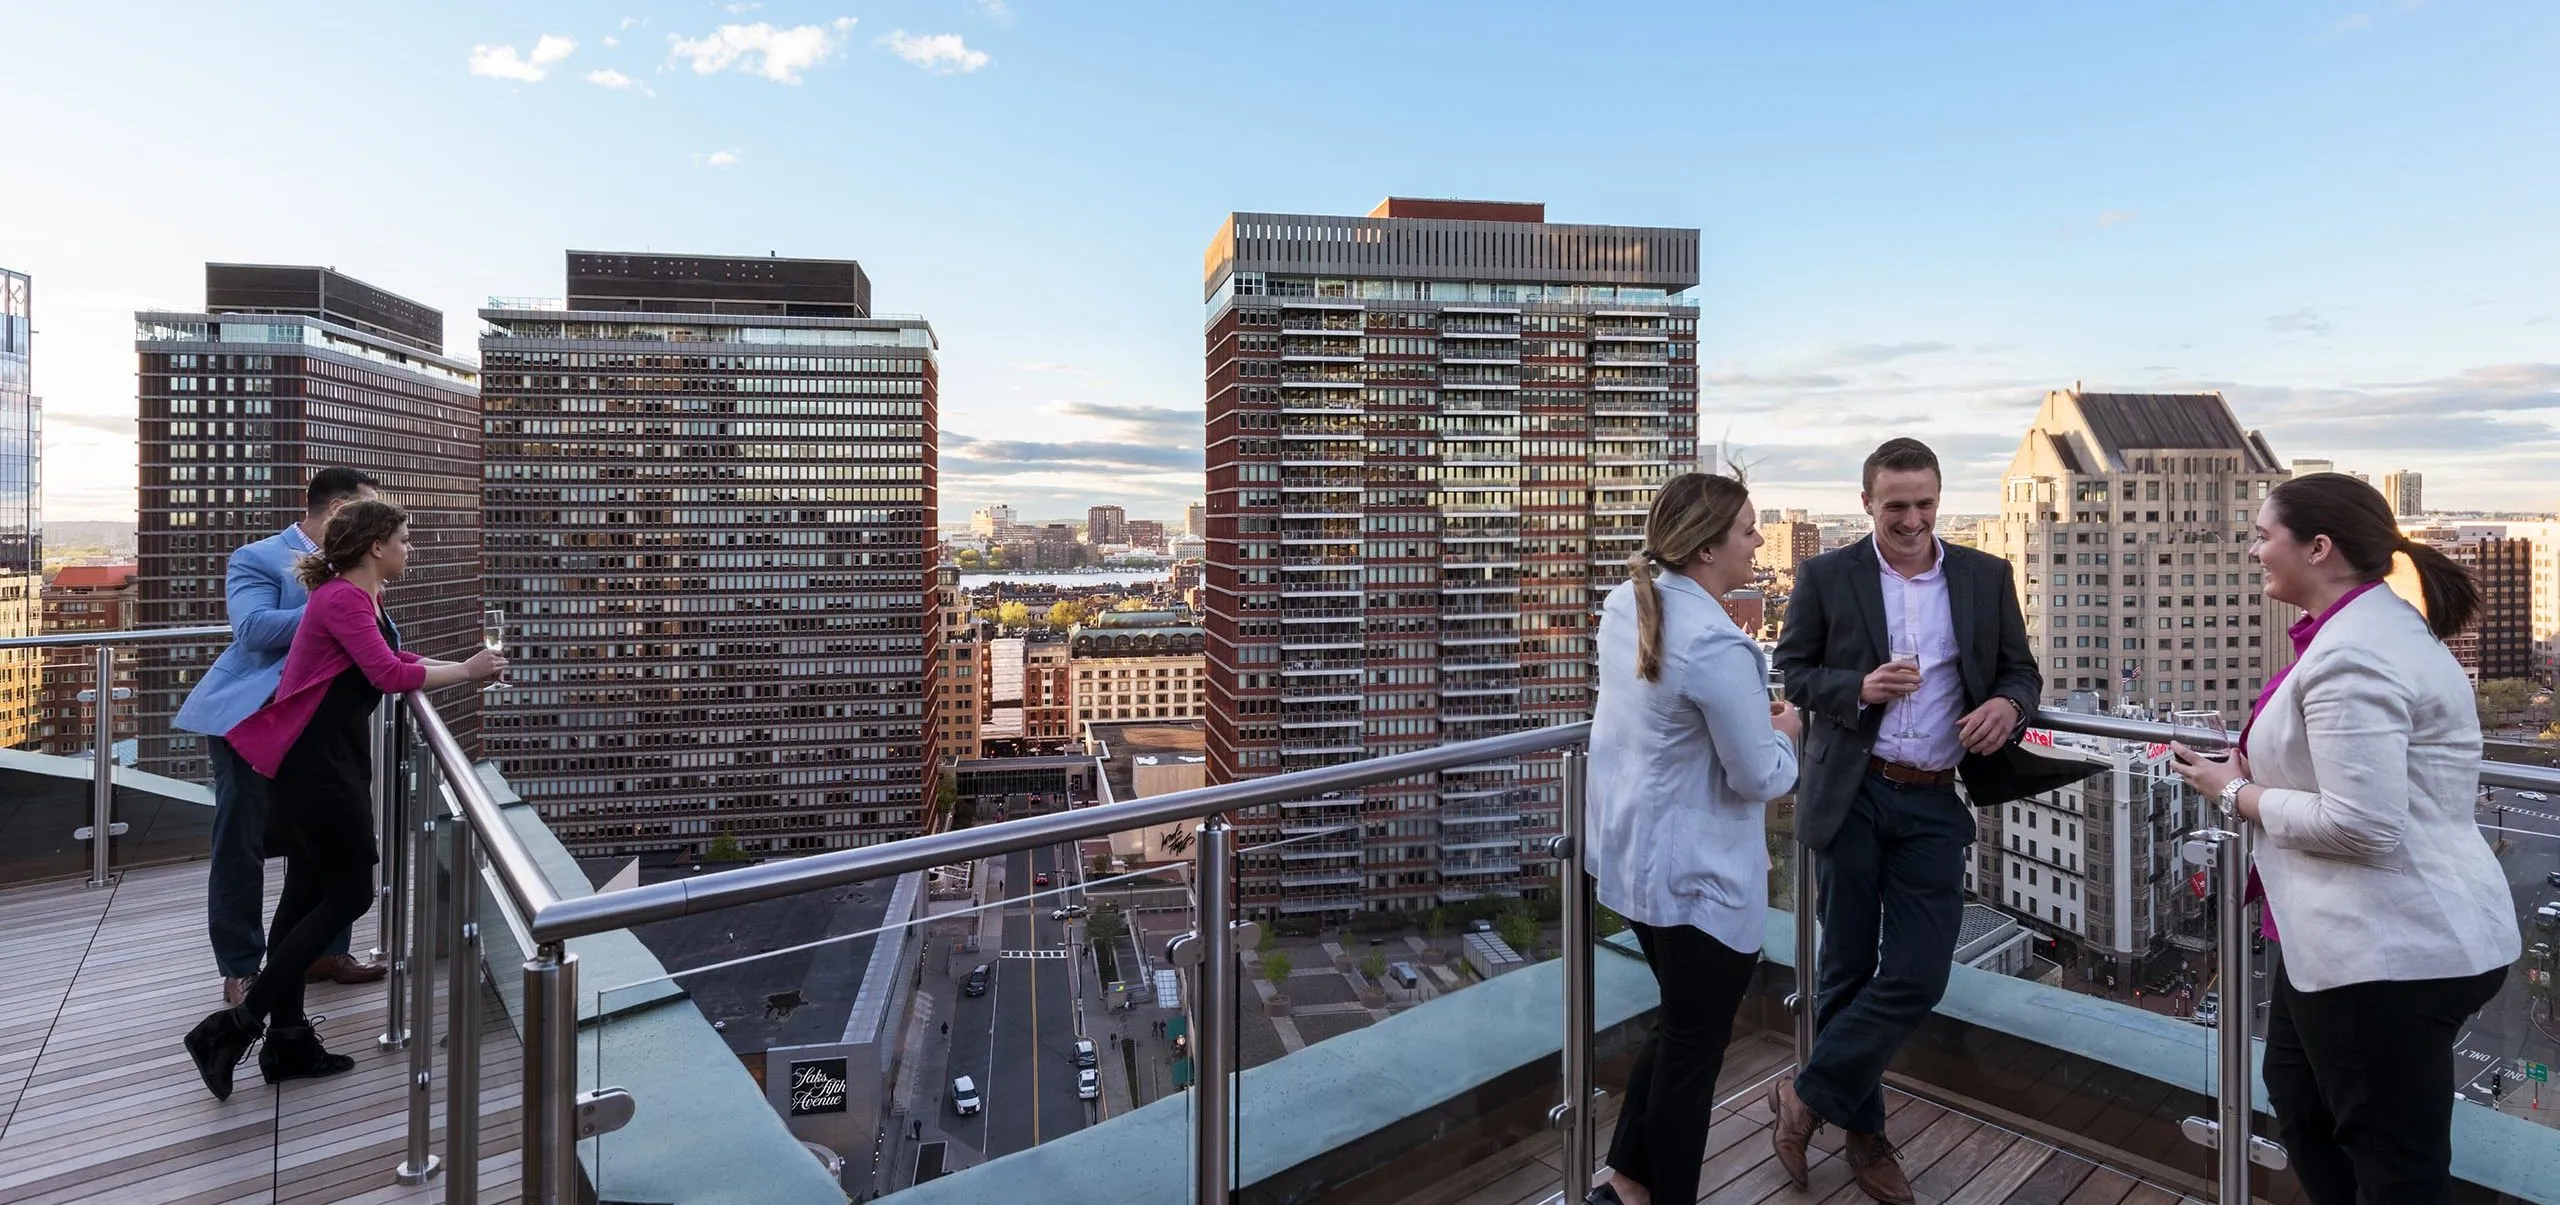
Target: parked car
{"x": 2209, "y": 1009}
{"x": 1086, "y": 1056}
{"x": 1039, "y": 880}
{"x": 977, "y": 984}
{"x": 2547, "y": 915}
{"x": 1069, "y": 912}
{"x": 1088, "y": 1083}
{"x": 2552, "y": 878}
{"x": 964, "y": 1095}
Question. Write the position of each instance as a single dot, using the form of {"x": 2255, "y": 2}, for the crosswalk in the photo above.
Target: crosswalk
{"x": 1032, "y": 954}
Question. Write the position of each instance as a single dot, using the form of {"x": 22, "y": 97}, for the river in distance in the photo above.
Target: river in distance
{"x": 1115, "y": 577}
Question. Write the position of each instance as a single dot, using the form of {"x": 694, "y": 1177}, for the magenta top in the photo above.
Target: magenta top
{"x": 2301, "y": 632}
{"x": 339, "y": 631}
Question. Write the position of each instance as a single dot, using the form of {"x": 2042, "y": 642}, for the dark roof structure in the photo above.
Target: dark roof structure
{"x": 2203, "y": 422}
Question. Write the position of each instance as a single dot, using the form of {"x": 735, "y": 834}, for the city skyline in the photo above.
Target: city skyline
{"x": 2285, "y": 203}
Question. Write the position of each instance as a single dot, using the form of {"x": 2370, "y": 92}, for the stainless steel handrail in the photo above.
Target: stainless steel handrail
{"x": 565, "y": 919}
{"x": 73, "y": 640}
{"x": 2492, "y": 773}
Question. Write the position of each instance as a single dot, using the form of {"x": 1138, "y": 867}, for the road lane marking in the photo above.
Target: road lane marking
{"x": 1033, "y": 954}
{"x": 1035, "y": 1052}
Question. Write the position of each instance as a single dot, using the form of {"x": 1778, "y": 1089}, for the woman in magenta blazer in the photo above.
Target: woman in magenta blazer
{"x": 314, "y": 740}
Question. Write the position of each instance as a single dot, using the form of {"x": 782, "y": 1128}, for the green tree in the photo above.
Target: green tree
{"x": 2502, "y": 698}
{"x": 1519, "y": 930}
{"x": 1275, "y": 967}
{"x": 724, "y": 848}
{"x": 995, "y": 559}
{"x": 1064, "y": 615}
{"x": 1130, "y": 604}
{"x": 968, "y": 558}
{"x": 2551, "y": 731}
{"x": 946, "y": 797}
{"x": 1270, "y": 939}
{"x": 1375, "y": 965}
{"x": 1436, "y": 923}
{"x": 1014, "y": 616}
{"x": 1101, "y": 866}
{"x": 1106, "y": 925}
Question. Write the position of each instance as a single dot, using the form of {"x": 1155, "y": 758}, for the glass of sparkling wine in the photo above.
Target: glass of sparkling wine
{"x": 493, "y": 637}
{"x": 1909, "y": 655}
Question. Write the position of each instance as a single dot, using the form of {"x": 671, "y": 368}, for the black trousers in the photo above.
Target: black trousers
{"x": 322, "y": 896}
{"x": 1671, "y": 1096}
{"x": 2361, "y": 1078}
{"x": 1891, "y": 901}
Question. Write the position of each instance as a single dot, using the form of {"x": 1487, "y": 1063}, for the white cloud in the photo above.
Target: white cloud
{"x": 993, "y": 10}
{"x": 607, "y": 77}
{"x": 940, "y": 53}
{"x": 628, "y": 22}
{"x": 610, "y": 40}
{"x": 760, "y": 49}
{"x": 502, "y": 62}
{"x": 719, "y": 159}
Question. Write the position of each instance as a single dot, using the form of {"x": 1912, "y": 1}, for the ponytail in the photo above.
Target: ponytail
{"x": 2452, "y": 594}
{"x": 1648, "y": 615}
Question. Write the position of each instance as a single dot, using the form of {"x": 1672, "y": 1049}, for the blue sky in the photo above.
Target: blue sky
{"x": 1916, "y": 217}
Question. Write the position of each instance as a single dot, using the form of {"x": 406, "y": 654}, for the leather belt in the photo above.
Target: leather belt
{"x": 1909, "y": 776}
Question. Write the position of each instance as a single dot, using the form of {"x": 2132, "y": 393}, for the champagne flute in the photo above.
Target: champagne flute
{"x": 1906, "y": 651}
{"x": 493, "y": 637}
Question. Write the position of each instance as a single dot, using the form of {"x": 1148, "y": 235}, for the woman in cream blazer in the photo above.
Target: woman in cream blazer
{"x": 2359, "y": 769}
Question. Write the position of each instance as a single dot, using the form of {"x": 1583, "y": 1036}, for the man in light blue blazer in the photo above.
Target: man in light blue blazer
{"x": 264, "y": 598}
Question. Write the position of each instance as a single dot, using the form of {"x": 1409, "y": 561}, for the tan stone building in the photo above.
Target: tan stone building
{"x": 1137, "y": 665}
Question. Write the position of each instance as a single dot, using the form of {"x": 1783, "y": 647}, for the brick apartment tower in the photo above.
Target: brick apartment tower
{"x": 1433, "y": 435}
{"x": 285, "y": 372}
{"x": 711, "y": 500}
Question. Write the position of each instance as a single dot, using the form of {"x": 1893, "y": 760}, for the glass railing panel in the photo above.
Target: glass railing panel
{"x": 163, "y": 802}
{"x": 908, "y": 1029}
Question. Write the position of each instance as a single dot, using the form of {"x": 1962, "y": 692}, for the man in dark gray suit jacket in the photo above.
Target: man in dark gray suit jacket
{"x": 1911, "y": 661}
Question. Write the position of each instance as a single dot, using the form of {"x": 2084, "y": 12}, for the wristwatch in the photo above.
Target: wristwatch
{"x": 2231, "y": 795}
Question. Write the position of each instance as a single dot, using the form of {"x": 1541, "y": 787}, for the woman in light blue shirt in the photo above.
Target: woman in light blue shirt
{"x": 1686, "y": 751}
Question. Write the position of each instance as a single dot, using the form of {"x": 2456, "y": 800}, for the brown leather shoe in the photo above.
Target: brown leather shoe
{"x": 236, "y": 991}
{"x": 1792, "y": 1126}
{"x": 343, "y": 968}
{"x": 1878, "y": 1171}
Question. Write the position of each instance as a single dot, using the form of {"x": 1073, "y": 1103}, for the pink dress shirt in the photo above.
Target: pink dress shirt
{"x": 2301, "y": 632}
{"x": 1917, "y": 611}
{"x": 340, "y": 629}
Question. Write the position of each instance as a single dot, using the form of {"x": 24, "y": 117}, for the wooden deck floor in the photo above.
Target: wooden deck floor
{"x": 98, "y": 1101}
{"x": 1951, "y": 1158}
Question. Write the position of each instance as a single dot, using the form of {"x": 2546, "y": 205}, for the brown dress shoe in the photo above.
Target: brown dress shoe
{"x": 1878, "y": 1171}
{"x": 236, "y": 991}
{"x": 1793, "y": 1127}
{"x": 343, "y": 968}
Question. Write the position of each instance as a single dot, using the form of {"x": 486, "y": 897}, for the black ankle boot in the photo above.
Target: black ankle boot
{"x": 218, "y": 1043}
{"x": 294, "y": 1052}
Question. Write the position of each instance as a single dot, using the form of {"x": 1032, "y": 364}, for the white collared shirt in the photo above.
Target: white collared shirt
{"x": 1917, "y": 613}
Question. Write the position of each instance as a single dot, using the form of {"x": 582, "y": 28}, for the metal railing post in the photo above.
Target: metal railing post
{"x": 551, "y": 1076}
{"x": 2229, "y": 1133}
{"x": 392, "y": 897}
{"x": 1574, "y": 1114}
{"x": 421, "y": 1164}
{"x": 102, "y": 771}
{"x": 1213, "y": 1103}
{"x": 462, "y": 1025}
{"x": 1808, "y": 951}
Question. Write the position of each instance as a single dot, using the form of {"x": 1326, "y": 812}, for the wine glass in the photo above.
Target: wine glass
{"x": 2212, "y": 723}
{"x": 493, "y": 637}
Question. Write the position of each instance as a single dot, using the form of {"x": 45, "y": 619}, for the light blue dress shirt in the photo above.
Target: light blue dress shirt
{"x": 1682, "y": 770}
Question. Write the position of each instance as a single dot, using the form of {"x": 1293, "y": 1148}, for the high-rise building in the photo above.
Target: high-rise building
{"x": 1145, "y": 535}
{"x": 1785, "y": 545}
{"x": 2096, "y": 864}
{"x": 2126, "y": 518}
{"x": 1137, "y": 665}
{"x": 285, "y": 372}
{"x": 2545, "y": 587}
{"x": 21, "y": 510}
{"x": 2405, "y": 491}
{"x": 711, "y": 501}
{"x": 1027, "y": 707}
{"x": 2305, "y": 468}
{"x": 85, "y": 598}
{"x": 1106, "y": 525}
{"x": 955, "y": 671}
{"x": 991, "y": 521}
{"x": 1195, "y": 519}
{"x": 2498, "y": 645}
{"x": 1433, "y": 436}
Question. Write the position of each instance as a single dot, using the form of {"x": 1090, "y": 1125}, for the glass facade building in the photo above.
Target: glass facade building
{"x": 710, "y": 502}
{"x": 1433, "y": 436}
{"x": 239, "y": 407}
{"x": 21, "y": 509}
